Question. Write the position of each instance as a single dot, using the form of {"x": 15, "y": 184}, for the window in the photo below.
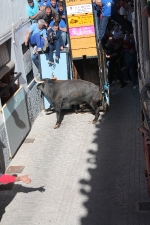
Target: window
{"x": 7, "y": 73}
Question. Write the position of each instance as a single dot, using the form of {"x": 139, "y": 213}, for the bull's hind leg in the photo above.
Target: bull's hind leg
{"x": 96, "y": 109}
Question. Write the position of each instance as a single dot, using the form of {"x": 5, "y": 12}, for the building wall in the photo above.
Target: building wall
{"x": 15, "y": 37}
{"x": 11, "y": 12}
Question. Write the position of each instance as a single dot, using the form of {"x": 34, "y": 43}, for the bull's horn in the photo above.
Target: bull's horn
{"x": 37, "y": 81}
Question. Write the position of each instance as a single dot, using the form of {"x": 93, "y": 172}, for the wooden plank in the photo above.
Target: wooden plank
{"x": 80, "y": 20}
{"x": 77, "y": 2}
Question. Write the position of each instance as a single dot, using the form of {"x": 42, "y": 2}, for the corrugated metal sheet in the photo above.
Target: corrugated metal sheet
{"x": 16, "y": 120}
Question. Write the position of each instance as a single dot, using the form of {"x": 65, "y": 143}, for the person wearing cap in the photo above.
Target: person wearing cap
{"x": 37, "y": 36}
{"x": 5, "y": 179}
{"x": 32, "y": 9}
{"x": 57, "y": 43}
{"x": 47, "y": 14}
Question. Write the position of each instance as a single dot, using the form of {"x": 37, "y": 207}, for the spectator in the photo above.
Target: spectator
{"x": 61, "y": 10}
{"x": 110, "y": 29}
{"x": 117, "y": 32}
{"x": 126, "y": 44}
{"x": 32, "y": 9}
{"x": 54, "y": 4}
{"x": 5, "y": 179}
{"x": 129, "y": 64}
{"x": 45, "y": 3}
{"x": 62, "y": 28}
{"x": 47, "y": 14}
{"x": 113, "y": 55}
{"x": 37, "y": 36}
{"x": 55, "y": 42}
{"x": 122, "y": 35}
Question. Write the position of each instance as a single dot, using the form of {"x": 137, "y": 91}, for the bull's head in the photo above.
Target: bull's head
{"x": 41, "y": 83}
{"x": 45, "y": 86}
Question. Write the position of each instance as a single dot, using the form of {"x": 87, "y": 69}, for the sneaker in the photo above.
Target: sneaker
{"x": 50, "y": 62}
{"x": 57, "y": 59}
{"x": 34, "y": 50}
{"x": 123, "y": 85}
{"x": 134, "y": 87}
{"x": 38, "y": 49}
{"x": 45, "y": 45}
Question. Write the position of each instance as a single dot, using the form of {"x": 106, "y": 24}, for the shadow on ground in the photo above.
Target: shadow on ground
{"x": 117, "y": 173}
{"x": 9, "y": 191}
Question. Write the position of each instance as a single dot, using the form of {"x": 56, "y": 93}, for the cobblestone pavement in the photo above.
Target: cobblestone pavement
{"x": 82, "y": 174}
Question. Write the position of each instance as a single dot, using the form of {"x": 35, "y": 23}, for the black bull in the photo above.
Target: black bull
{"x": 70, "y": 92}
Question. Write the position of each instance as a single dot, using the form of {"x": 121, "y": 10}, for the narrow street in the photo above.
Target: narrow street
{"x": 82, "y": 174}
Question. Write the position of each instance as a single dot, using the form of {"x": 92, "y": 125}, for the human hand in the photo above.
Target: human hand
{"x": 2, "y": 84}
{"x": 25, "y": 179}
{"x": 61, "y": 48}
{"x": 26, "y": 43}
{"x": 107, "y": 56}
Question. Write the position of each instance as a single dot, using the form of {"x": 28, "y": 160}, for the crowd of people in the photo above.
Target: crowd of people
{"x": 114, "y": 22}
{"x": 115, "y": 29}
{"x": 48, "y": 28}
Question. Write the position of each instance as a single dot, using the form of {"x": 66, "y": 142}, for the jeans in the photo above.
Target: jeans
{"x": 102, "y": 27}
{"x": 132, "y": 75}
{"x": 114, "y": 69}
{"x": 121, "y": 21}
{"x": 35, "y": 60}
{"x": 64, "y": 37}
{"x": 52, "y": 47}
{"x": 37, "y": 40}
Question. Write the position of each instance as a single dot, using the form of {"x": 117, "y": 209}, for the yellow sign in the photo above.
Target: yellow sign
{"x": 77, "y": 2}
{"x": 78, "y": 21}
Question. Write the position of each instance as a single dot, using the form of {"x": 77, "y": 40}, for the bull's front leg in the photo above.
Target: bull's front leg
{"x": 58, "y": 115}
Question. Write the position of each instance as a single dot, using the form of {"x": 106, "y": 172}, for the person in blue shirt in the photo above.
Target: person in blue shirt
{"x": 37, "y": 36}
{"x": 32, "y": 9}
{"x": 55, "y": 42}
{"x": 61, "y": 10}
{"x": 62, "y": 28}
{"x": 54, "y": 4}
{"x": 45, "y": 3}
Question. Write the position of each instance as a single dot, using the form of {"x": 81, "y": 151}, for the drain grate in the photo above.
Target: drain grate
{"x": 14, "y": 169}
{"x": 144, "y": 206}
{"x": 29, "y": 140}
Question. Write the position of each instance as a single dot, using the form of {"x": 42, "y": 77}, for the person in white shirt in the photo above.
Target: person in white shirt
{"x": 117, "y": 32}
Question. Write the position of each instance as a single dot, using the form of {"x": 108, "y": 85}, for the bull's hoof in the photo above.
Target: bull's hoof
{"x": 56, "y": 126}
{"x": 94, "y": 121}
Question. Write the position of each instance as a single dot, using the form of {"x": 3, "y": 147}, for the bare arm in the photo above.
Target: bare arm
{"x": 33, "y": 17}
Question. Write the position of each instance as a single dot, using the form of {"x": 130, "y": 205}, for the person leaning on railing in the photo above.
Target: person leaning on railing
{"x": 5, "y": 179}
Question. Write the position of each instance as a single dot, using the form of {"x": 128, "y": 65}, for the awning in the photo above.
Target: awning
{"x": 5, "y": 69}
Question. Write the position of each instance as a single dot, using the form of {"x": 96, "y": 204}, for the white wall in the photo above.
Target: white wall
{"x": 10, "y": 12}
